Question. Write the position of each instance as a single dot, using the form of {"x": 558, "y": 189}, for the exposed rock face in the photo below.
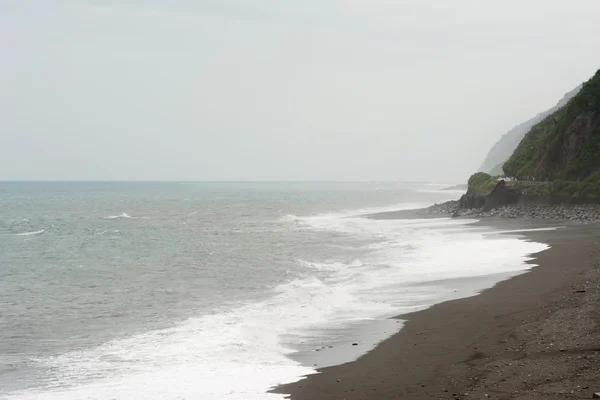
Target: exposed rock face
{"x": 506, "y": 202}
{"x": 501, "y": 196}
{"x": 471, "y": 200}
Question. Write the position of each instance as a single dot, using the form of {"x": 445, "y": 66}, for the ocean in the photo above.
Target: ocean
{"x": 219, "y": 290}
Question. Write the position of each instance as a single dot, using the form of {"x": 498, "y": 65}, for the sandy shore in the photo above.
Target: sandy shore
{"x": 534, "y": 336}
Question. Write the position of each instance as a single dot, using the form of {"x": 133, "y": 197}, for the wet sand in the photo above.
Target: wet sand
{"x": 534, "y": 336}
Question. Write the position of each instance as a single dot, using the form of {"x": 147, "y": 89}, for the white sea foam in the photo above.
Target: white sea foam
{"x": 232, "y": 355}
{"x": 240, "y": 353}
{"x": 121, "y": 216}
{"x": 550, "y": 228}
{"x": 31, "y": 233}
{"x": 339, "y": 216}
{"x": 229, "y": 356}
{"x": 418, "y": 251}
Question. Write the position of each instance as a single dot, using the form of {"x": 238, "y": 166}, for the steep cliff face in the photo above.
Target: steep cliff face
{"x": 507, "y": 144}
{"x": 566, "y": 144}
{"x": 501, "y": 195}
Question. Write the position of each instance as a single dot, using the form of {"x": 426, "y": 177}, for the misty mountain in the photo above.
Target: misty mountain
{"x": 566, "y": 144}
{"x": 507, "y": 144}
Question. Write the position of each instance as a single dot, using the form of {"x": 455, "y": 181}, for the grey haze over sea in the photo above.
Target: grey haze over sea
{"x": 218, "y": 290}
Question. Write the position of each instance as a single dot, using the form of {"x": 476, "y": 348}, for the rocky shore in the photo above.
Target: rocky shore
{"x": 583, "y": 213}
{"x": 440, "y": 210}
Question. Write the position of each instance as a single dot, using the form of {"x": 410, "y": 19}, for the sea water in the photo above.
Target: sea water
{"x": 219, "y": 290}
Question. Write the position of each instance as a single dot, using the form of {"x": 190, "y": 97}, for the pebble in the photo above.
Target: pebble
{"x": 583, "y": 213}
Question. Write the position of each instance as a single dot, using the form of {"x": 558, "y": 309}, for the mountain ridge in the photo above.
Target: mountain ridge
{"x": 565, "y": 145}
{"x": 508, "y": 143}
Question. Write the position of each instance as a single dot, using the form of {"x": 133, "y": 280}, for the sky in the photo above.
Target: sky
{"x": 399, "y": 90}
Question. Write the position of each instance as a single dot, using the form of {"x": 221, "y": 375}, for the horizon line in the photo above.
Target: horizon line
{"x": 208, "y": 181}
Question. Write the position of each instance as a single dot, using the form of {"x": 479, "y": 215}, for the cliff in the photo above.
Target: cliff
{"x": 566, "y": 144}
{"x": 556, "y": 162}
{"x": 487, "y": 194}
{"x": 507, "y": 144}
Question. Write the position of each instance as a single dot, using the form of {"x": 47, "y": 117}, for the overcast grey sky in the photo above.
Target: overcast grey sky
{"x": 278, "y": 90}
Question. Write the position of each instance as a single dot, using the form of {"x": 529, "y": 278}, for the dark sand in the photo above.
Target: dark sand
{"x": 534, "y": 336}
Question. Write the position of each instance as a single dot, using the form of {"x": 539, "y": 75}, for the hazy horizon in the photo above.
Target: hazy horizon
{"x": 355, "y": 90}
{"x": 233, "y": 181}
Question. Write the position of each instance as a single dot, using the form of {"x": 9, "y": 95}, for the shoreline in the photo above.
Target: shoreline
{"x": 534, "y": 210}
{"x": 488, "y": 344}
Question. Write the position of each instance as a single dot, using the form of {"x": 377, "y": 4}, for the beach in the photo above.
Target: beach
{"x": 242, "y": 295}
{"x": 535, "y": 335}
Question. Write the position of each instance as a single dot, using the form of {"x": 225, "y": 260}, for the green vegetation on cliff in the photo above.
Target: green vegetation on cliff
{"x": 481, "y": 183}
{"x": 565, "y": 145}
{"x": 507, "y": 144}
{"x": 586, "y": 190}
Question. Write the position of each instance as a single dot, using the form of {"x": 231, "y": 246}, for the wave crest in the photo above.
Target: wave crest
{"x": 31, "y": 233}
{"x": 122, "y": 216}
